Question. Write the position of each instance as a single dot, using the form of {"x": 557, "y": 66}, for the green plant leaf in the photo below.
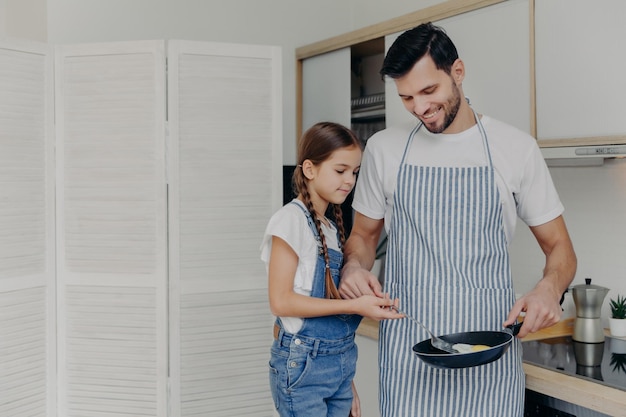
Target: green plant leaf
{"x": 618, "y": 307}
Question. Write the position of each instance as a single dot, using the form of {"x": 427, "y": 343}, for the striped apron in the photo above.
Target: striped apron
{"x": 448, "y": 264}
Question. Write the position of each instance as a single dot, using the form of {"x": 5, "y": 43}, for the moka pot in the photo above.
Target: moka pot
{"x": 588, "y": 299}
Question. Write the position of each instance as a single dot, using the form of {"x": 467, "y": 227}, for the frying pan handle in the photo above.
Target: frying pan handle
{"x": 563, "y": 298}
{"x": 514, "y": 328}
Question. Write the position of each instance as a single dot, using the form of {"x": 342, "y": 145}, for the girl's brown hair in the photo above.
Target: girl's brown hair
{"x": 317, "y": 144}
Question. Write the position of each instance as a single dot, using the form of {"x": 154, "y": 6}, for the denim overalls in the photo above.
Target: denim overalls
{"x": 311, "y": 372}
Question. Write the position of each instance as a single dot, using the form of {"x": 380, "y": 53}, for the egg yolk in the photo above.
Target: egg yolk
{"x": 478, "y": 348}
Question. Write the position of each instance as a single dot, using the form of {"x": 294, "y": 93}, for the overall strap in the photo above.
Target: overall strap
{"x": 311, "y": 223}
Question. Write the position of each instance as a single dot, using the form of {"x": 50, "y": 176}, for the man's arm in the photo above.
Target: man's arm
{"x": 541, "y": 304}
{"x": 359, "y": 254}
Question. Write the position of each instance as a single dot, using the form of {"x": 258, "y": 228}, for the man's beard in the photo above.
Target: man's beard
{"x": 452, "y": 106}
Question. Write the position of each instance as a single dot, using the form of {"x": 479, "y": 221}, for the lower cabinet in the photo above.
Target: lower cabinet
{"x": 541, "y": 405}
{"x": 366, "y": 379}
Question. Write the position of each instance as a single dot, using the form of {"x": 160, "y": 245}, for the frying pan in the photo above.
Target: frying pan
{"x": 499, "y": 342}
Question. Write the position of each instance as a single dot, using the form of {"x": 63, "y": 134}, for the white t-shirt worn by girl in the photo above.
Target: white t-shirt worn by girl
{"x": 290, "y": 224}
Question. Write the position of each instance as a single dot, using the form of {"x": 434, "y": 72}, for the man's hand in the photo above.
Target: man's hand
{"x": 357, "y": 281}
{"x": 542, "y": 304}
{"x": 359, "y": 253}
{"x": 541, "y": 308}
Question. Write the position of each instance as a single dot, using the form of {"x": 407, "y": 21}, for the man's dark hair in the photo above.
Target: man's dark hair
{"x": 413, "y": 45}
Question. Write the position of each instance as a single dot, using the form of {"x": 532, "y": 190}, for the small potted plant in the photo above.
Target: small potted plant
{"x": 617, "y": 321}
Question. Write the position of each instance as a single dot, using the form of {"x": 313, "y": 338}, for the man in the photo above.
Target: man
{"x": 448, "y": 193}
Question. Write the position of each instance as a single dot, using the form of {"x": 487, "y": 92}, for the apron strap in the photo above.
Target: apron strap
{"x": 483, "y": 136}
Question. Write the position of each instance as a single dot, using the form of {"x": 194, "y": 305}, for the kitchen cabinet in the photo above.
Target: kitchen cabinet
{"x": 158, "y": 305}
{"x": 382, "y": 35}
{"x": 367, "y": 374}
{"x": 579, "y": 70}
{"x": 331, "y": 82}
{"x": 528, "y": 64}
{"x": 344, "y": 86}
{"x": 367, "y": 108}
{"x": 494, "y": 44}
{"x": 326, "y": 88}
{"x": 497, "y": 87}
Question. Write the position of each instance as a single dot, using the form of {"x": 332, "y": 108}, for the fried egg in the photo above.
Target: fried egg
{"x": 466, "y": 348}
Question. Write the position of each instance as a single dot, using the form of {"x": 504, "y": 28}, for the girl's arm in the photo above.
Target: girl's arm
{"x": 287, "y": 303}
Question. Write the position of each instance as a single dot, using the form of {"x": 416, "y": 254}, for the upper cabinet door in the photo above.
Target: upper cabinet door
{"x": 395, "y": 113}
{"x": 326, "y": 88}
{"x": 494, "y": 45}
{"x": 493, "y": 42}
{"x": 580, "y": 65}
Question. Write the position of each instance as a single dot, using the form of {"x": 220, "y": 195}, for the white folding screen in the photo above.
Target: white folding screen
{"x": 128, "y": 309}
{"x": 27, "y": 346}
{"x": 225, "y": 172}
{"x": 111, "y": 229}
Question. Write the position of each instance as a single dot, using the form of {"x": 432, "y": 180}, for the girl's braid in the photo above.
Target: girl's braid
{"x": 338, "y": 214}
{"x": 331, "y": 288}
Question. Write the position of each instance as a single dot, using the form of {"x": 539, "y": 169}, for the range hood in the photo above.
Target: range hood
{"x": 588, "y": 155}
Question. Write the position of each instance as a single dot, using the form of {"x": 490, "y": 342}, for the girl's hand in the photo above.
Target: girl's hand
{"x": 355, "y": 411}
{"x": 377, "y": 308}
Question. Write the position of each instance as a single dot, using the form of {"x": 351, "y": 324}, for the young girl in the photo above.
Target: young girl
{"x": 313, "y": 357}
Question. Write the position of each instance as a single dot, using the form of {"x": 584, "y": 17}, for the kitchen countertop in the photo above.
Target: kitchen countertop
{"x": 583, "y": 392}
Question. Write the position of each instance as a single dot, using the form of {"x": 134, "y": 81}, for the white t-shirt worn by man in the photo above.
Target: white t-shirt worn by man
{"x": 524, "y": 181}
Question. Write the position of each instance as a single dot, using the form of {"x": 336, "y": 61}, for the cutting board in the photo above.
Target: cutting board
{"x": 563, "y": 328}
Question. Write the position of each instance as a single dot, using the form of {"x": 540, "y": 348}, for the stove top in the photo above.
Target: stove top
{"x": 604, "y": 363}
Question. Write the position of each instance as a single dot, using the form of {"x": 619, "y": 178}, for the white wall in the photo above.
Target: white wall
{"x": 23, "y": 19}
{"x": 278, "y": 22}
{"x": 3, "y": 29}
{"x": 595, "y": 212}
{"x": 287, "y": 23}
